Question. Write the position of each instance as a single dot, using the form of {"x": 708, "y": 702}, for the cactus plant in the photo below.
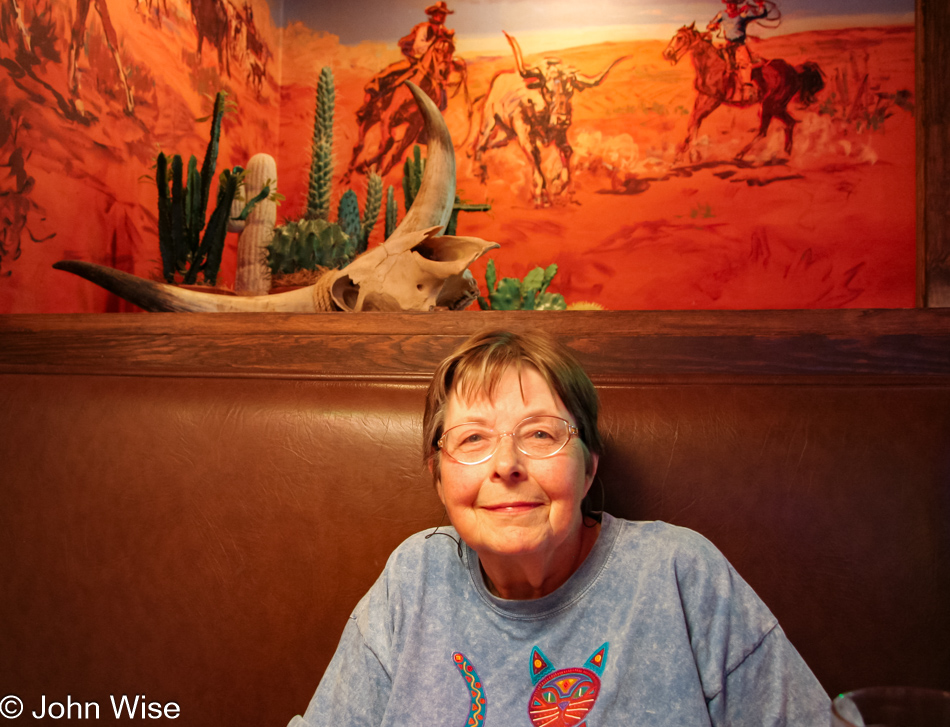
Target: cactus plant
{"x": 348, "y": 215}
{"x": 309, "y": 245}
{"x": 374, "y": 202}
{"x": 187, "y": 245}
{"x": 391, "y": 212}
{"x": 321, "y": 164}
{"x": 463, "y": 206}
{"x": 253, "y": 274}
{"x": 295, "y": 243}
{"x": 528, "y": 294}
{"x": 412, "y": 170}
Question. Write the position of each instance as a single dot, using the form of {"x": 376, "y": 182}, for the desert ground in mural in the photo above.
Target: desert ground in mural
{"x": 832, "y": 224}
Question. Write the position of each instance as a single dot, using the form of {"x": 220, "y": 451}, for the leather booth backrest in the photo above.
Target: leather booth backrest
{"x": 200, "y": 537}
{"x": 196, "y": 541}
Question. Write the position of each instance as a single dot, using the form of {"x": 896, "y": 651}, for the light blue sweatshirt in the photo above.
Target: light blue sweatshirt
{"x": 654, "y": 628}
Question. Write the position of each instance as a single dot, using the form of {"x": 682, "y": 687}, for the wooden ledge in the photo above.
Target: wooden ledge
{"x": 626, "y": 346}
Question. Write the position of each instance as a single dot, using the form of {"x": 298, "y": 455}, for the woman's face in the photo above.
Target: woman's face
{"x": 513, "y": 505}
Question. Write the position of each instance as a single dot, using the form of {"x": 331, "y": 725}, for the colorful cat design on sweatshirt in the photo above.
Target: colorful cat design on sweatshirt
{"x": 564, "y": 697}
{"x": 561, "y": 697}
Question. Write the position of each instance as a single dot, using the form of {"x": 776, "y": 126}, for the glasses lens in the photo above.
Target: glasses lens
{"x": 469, "y": 443}
{"x": 535, "y": 436}
{"x": 542, "y": 436}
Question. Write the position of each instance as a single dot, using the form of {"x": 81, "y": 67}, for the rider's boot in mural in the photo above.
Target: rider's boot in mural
{"x": 746, "y": 90}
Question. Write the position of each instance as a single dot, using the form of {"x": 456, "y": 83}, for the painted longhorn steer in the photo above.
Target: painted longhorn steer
{"x": 414, "y": 269}
{"x": 535, "y": 108}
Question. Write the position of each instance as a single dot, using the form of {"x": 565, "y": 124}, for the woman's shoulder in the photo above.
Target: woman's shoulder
{"x": 661, "y": 541}
{"x": 703, "y": 575}
{"x": 419, "y": 567}
{"x": 424, "y": 551}
{"x": 420, "y": 544}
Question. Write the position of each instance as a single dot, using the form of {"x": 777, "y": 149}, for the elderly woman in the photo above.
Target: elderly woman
{"x": 546, "y": 613}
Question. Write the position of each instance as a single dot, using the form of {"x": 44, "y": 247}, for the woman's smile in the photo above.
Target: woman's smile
{"x": 512, "y": 508}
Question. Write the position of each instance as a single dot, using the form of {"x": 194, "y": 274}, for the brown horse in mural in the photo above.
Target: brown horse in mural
{"x": 777, "y": 83}
{"x": 214, "y": 20}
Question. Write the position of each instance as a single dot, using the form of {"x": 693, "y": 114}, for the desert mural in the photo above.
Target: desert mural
{"x": 646, "y": 155}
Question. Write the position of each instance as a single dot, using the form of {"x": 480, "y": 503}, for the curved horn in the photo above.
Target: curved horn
{"x": 433, "y": 204}
{"x": 153, "y": 296}
{"x": 519, "y": 58}
{"x": 432, "y": 207}
{"x": 591, "y": 81}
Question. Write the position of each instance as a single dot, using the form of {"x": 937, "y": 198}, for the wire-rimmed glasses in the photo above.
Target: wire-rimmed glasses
{"x": 537, "y": 437}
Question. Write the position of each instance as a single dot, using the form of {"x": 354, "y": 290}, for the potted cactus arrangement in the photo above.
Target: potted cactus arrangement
{"x": 191, "y": 244}
{"x": 301, "y": 250}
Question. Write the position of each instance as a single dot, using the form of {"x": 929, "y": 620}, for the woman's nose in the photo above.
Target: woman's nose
{"x": 508, "y": 460}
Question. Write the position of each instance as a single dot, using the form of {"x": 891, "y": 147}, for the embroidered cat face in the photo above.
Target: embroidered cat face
{"x": 564, "y": 697}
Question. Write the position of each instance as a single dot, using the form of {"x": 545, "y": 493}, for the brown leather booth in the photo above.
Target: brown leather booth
{"x": 191, "y": 505}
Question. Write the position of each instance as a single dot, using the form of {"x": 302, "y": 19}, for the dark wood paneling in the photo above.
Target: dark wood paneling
{"x": 611, "y": 345}
{"x": 933, "y": 153}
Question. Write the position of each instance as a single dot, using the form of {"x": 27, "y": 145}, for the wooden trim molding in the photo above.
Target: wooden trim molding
{"x": 933, "y": 153}
{"x": 906, "y": 345}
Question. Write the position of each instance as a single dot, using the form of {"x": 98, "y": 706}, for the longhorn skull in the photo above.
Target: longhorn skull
{"x": 414, "y": 269}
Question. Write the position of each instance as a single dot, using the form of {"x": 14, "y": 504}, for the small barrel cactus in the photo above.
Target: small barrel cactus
{"x": 308, "y": 245}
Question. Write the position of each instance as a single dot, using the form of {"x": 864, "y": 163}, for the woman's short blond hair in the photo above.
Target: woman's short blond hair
{"x": 477, "y": 366}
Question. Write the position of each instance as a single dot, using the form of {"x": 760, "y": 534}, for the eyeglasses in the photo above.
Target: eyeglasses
{"x": 537, "y": 437}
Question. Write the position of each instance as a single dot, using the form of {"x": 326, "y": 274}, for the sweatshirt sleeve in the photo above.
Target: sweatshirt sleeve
{"x": 355, "y": 688}
{"x": 772, "y": 686}
{"x": 751, "y": 673}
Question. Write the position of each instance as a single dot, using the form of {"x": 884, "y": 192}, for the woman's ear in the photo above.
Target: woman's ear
{"x": 589, "y": 480}
{"x": 438, "y": 480}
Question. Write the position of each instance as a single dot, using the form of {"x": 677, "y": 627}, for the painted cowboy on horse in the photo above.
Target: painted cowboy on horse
{"x": 389, "y": 119}
{"x": 417, "y": 46}
{"x": 732, "y": 23}
{"x": 778, "y": 82}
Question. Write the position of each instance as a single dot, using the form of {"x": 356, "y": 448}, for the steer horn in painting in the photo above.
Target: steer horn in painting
{"x": 414, "y": 269}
